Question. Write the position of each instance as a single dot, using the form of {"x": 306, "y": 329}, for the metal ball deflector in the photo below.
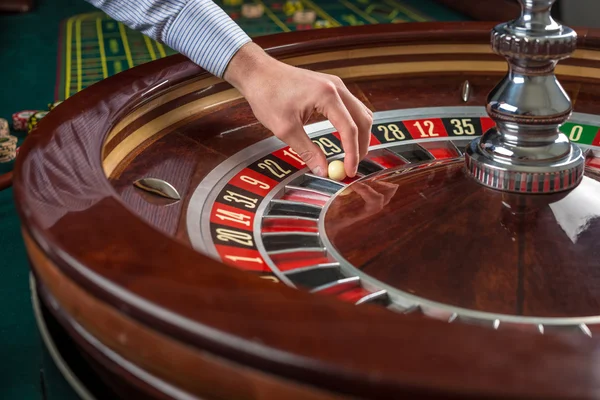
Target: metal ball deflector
{"x": 526, "y": 152}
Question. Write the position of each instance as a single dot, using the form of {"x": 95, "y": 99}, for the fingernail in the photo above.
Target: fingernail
{"x": 318, "y": 171}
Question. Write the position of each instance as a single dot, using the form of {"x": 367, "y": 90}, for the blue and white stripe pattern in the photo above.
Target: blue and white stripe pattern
{"x": 198, "y": 29}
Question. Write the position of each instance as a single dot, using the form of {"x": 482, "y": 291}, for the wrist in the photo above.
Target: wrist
{"x": 246, "y": 65}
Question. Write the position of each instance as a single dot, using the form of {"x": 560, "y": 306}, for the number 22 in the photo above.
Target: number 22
{"x": 274, "y": 167}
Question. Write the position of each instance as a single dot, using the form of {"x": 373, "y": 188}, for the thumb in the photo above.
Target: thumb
{"x": 309, "y": 152}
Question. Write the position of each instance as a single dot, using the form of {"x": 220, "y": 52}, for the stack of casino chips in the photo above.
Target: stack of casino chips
{"x": 34, "y": 119}
{"x": 4, "y": 131}
{"x": 52, "y": 106}
{"x": 8, "y": 143}
{"x": 252, "y": 10}
{"x": 28, "y": 119}
{"x": 21, "y": 118}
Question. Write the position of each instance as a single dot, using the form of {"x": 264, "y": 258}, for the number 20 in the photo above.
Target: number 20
{"x": 226, "y": 235}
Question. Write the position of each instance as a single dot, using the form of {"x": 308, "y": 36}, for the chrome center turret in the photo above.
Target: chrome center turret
{"x": 526, "y": 152}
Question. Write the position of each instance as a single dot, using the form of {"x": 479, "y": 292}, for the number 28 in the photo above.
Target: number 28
{"x": 391, "y": 132}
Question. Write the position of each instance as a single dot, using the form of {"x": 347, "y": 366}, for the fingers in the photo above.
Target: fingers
{"x": 310, "y": 153}
{"x": 283, "y": 109}
{"x": 333, "y": 108}
{"x": 352, "y": 119}
{"x": 363, "y": 118}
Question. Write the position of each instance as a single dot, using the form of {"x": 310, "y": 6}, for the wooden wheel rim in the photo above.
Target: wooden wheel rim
{"x": 81, "y": 227}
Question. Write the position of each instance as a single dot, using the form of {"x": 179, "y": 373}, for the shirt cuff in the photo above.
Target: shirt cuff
{"x": 205, "y": 34}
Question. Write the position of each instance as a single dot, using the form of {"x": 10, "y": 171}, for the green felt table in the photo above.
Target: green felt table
{"x": 30, "y": 49}
{"x": 29, "y": 44}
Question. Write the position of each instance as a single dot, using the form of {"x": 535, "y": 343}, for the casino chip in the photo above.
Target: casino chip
{"x": 21, "y": 118}
{"x": 8, "y": 139}
{"x": 4, "y": 131}
{"x": 35, "y": 119}
{"x": 8, "y": 148}
{"x": 323, "y": 24}
{"x": 305, "y": 17}
{"x": 52, "y": 106}
{"x": 8, "y": 157}
{"x": 252, "y": 10}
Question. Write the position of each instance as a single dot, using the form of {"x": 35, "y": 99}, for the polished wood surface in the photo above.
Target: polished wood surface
{"x": 446, "y": 238}
{"x": 208, "y": 136}
{"x": 165, "y": 359}
{"x": 133, "y": 261}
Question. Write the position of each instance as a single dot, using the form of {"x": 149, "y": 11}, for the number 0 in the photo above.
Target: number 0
{"x": 576, "y": 132}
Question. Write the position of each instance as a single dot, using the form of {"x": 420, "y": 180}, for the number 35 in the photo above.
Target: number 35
{"x": 463, "y": 126}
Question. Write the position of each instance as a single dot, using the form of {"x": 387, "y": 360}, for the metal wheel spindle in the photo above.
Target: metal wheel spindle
{"x": 526, "y": 152}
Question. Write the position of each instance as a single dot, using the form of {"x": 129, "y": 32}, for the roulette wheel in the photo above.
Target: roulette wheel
{"x": 190, "y": 254}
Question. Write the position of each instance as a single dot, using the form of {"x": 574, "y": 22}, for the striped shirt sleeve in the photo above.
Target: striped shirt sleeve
{"x": 198, "y": 29}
